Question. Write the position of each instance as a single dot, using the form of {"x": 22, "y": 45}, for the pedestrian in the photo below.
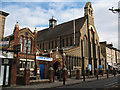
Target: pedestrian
{"x": 114, "y": 72}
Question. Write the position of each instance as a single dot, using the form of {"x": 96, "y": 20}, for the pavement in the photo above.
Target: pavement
{"x": 57, "y": 83}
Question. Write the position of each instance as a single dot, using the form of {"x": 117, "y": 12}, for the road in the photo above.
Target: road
{"x": 101, "y": 83}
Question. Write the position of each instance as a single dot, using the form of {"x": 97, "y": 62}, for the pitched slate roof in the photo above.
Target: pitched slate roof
{"x": 60, "y": 30}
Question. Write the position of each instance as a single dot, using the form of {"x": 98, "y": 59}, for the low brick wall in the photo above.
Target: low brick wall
{"x": 20, "y": 80}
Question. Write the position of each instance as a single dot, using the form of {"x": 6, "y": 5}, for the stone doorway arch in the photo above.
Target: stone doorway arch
{"x": 56, "y": 66}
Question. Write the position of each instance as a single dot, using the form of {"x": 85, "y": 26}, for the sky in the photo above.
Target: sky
{"x": 36, "y": 13}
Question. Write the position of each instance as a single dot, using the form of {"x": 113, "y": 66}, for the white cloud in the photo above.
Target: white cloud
{"x": 106, "y": 22}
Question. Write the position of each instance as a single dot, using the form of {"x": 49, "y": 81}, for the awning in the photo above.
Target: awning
{"x": 115, "y": 67}
{"x": 110, "y": 64}
{"x": 1, "y": 56}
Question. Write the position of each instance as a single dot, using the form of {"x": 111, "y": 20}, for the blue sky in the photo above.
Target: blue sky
{"x": 36, "y": 13}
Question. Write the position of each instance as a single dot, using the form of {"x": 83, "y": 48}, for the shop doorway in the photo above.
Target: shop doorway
{"x": 55, "y": 66}
{"x": 42, "y": 71}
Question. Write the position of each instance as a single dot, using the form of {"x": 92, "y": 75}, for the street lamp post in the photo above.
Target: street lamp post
{"x": 26, "y": 68}
{"x": 26, "y": 54}
{"x": 115, "y": 10}
{"x": 35, "y": 65}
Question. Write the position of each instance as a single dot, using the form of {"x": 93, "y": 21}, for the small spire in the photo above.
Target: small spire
{"x": 16, "y": 25}
{"x": 35, "y": 29}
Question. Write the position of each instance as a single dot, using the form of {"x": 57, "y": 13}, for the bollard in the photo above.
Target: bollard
{"x": 102, "y": 72}
{"x": 64, "y": 80}
{"x": 88, "y": 73}
{"x": 97, "y": 73}
{"x": 51, "y": 74}
{"x": 70, "y": 73}
{"x": 84, "y": 76}
{"x": 64, "y": 75}
{"x": 107, "y": 74}
{"x": 78, "y": 74}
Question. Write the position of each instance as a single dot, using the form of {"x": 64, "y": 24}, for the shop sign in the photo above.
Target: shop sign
{"x": 5, "y": 54}
{"x": 43, "y": 58}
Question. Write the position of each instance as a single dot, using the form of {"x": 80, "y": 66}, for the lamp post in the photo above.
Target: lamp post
{"x": 115, "y": 10}
{"x": 35, "y": 64}
{"x": 26, "y": 54}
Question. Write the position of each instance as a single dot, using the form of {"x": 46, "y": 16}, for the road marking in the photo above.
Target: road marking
{"x": 111, "y": 84}
{"x": 93, "y": 89}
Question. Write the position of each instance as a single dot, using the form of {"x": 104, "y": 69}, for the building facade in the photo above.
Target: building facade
{"x": 3, "y": 15}
{"x": 77, "y": 38}
{"x": 111, "y": 55}
{"x": 118, "y": 57}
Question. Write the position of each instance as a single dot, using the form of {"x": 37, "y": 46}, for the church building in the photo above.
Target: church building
{"x": 77, "y": 39}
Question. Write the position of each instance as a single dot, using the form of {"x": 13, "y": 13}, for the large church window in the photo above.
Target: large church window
{"x": 71, "y": 41}
{"x": 66, "y": 41}
{"x": 85, "y": 46}
{"x": 49, "y": 44}
{"x": 62, "y": 42}
{"x": 21, "y": 43}
{"x": 43, "y": 45}
{"x": 55, "y": 43}
{"x": 52, "y": 44}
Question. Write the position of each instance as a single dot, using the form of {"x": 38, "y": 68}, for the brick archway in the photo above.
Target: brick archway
{"x": 56, "y": 65}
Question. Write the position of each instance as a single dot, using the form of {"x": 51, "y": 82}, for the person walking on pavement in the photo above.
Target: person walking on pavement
{"x": 114, "y": 72}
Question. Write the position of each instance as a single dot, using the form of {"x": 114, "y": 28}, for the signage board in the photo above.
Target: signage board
{"x": 90, "y": 67}
{"x": 43, "y": 58}
{"x": 6, "y": 54}
{"x": 4, "y": 43}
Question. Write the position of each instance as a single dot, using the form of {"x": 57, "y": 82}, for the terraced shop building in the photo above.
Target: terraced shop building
{"x": 77, "y": 38}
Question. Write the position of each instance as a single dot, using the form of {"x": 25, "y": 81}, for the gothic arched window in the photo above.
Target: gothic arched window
{"x": 85, "y": 46}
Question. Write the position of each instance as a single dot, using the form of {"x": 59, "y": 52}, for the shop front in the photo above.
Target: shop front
{"x": 43, "y": 64}
{"x": 6, "y": 58}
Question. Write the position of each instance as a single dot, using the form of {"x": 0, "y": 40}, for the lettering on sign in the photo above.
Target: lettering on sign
{"x": 43, "y": 58}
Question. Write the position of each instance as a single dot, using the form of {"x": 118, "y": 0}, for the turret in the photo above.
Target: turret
{"x": 16, "y": 27}
{"x": 88, "y": 13}
{"x": 52, "y": 22}
{"x": 16, "y": 33}
{"x": 88, "y": 10}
